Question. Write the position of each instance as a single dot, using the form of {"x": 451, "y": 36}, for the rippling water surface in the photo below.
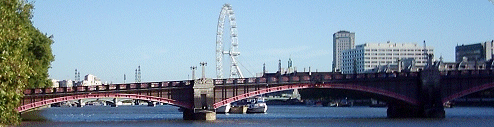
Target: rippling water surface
{"x": 277, "y": 116}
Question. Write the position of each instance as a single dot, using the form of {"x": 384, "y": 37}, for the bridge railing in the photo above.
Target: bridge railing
{"x": 256, "y": 80}
{"x": 109, "y": 87}
{"x": 466, "y": 72}
{"x": 314, "y": 78}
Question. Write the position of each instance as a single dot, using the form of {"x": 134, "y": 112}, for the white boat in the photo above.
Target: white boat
{"x": 256, "y": 105}
{"x": 224, "y": 108}
{"x": 341, "y": 103}
{"x": 239, "y": 109}
{"x": 377, "y": 103}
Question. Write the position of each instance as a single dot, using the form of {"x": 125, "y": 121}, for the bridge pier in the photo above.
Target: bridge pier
{"x": 429, "y": 96}
{"x": 401, "y": 110}
{"x": 396, "y": 110}
{"x": 151, "y": 104}
{"x": 115, "y": 101}
{"x": 435, "y": 112}
{"x": 80, "y": 103}
{"x": 430, "y": 92}
{"x": 203, "y": 101}
{"x": 207, "y": 115}
{"x": 136, "y": 102}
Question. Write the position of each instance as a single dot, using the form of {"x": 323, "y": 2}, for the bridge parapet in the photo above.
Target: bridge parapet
{"x": 313, "y": 78}
{"x": 467, "y": 72}
{"x": 108, "y": 88}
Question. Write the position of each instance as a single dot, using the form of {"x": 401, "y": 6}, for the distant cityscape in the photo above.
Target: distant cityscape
{"x": 349, "y": 58}
{"x": 89, "y": 80}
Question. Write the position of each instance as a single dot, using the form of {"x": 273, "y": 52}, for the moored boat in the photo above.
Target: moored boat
{"x": 256, "y": 105}
{"x": 448, "y": 104}
{"x": 377, "y": 103}
{"x": 224, "y": 109}
{"x": 341, "y": 103}
{"x": 238, "y": 109}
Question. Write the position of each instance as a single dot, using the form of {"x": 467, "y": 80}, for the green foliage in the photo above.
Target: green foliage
{"x": 39, "y": 56}
{"x": 25, "y": 56}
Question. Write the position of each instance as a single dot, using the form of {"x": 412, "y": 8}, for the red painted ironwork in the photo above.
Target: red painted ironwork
{"x": 468, "y": 91}
{"x": 37, "y": 104}
{"x": 302, "y": 86}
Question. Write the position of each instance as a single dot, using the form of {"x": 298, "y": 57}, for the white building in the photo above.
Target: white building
{"x": 91, "y": 80}
{"x": 373, "y": 57}
{"x": 54, "y": 83}
{"x": 342, "y": 40}
{"x": 65, "y": 83}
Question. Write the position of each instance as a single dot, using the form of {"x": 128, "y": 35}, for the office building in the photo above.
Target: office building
{"x": 91, "y": 80}
{"x": 384, "y": 57}
{"x": 342, "y": 40}
{"x": 479, "y": 52}
{"x": 66, "y": 83}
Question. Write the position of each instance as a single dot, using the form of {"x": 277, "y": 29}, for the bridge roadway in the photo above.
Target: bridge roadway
{"x": 412, "y": 94}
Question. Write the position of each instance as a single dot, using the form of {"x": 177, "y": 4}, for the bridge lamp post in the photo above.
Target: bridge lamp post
{"x": 193, "y": 68}
{"x": 203, "y": 64}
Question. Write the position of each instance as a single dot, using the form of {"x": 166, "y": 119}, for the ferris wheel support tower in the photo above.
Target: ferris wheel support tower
{"x": 233, "y": 53}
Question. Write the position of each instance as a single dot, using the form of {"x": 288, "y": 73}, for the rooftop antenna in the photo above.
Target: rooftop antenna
{"x": 263, "y": 69}
{"x": 279, "y": 66}
{"x": 425, "y": 49}
{"x": 77, "y": 76}
{"x": 139, "y": 73}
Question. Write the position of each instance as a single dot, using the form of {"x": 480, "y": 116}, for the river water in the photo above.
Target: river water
{"x": 166, "y": 115}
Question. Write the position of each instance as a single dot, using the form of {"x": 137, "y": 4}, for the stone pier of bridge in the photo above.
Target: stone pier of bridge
{"x": 429, "y": 96}
{"x": 203, "y": 101}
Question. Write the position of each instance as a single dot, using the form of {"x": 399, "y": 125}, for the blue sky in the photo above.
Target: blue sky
{"x": 111, "y": 38}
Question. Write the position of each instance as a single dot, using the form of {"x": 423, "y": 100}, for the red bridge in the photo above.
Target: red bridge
{"x": 413, "y": 94}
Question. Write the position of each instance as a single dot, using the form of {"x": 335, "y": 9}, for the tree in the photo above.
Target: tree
{"x": 40, "y": 57}
{"x": 23, "y": 53}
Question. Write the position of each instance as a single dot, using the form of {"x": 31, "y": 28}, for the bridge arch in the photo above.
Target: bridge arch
{"x": 34, "y": 105}
{"x": 332, "y": 86}
{"x": 107, "y": 100}
{"x": 467, "y": 92}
